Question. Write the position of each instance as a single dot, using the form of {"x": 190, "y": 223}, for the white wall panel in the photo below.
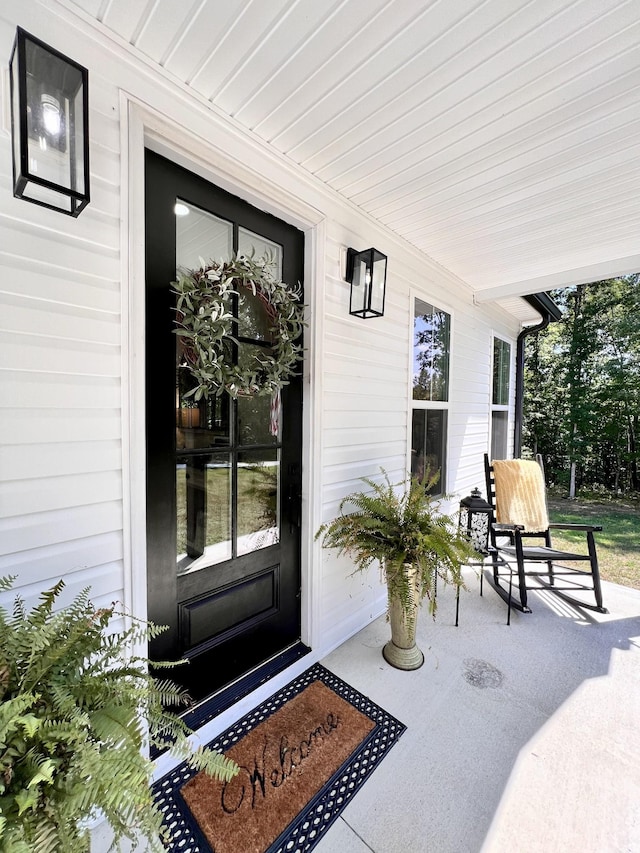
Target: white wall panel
{"x": 47, "y": 390}
{"x": 43, "y": 529}
{"x": 50, "y": 352}
{"x": 60, "y": 362}
{"x": 57, "y": 561}
{"x": 34, "y": 280}
{"x": 39, "y": 462}
{"x": 21, "y": 497}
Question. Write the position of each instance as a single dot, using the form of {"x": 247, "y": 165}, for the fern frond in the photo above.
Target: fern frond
{"x": 73, "y": 699}
{"x": 213, "y": 763}
{"x": 398, "y": 525}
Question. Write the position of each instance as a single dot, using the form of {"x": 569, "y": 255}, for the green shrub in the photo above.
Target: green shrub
{"x": 76, "y": 709}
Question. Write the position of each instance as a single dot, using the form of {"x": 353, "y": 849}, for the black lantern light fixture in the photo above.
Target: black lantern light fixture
{"x": 367, "y": 272}
{"x": 475, "y": 521}
{"x": 49, "y": 126}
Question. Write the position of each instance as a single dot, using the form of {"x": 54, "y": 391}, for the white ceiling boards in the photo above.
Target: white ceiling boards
{"x": 500, "y": 138}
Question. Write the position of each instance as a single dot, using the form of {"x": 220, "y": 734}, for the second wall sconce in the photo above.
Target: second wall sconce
{"x": 367, "y": 272}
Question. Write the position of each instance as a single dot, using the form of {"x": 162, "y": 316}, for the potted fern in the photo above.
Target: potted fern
{"x": 76, "y": 706}
{"x": 401, "y": 526}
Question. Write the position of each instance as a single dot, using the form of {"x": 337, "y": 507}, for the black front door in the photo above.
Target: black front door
{"x": 224, "y": 475}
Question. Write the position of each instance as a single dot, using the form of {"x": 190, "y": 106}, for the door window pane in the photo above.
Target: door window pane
{"x": 428, "y": 446}
{"x": 227, "y": 504}
{"x": 250, "y": 357}
{"x": 253, "y": 318}
{"x": 200, "y": 425}
{"x": 258, "y": 500}
{"x": 203, "y": 494}
{"x": 256, "y": 246}
{"x": 254, "y": 419}
{"x": 200, "y": 234}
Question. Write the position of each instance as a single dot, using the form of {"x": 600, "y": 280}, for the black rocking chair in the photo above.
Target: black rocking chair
{"x": 516, "y": 491}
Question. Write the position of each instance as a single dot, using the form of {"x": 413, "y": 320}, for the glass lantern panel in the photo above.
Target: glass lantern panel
{"x": 377, "y": 285}
{"x": 479, "y": 531}
{"x": 54, "y": 124}
{"x": 359, "y": 286}
{"x": 15, "y": 115}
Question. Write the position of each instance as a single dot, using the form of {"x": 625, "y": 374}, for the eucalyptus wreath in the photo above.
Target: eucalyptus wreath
{"x": 206, "y": 326}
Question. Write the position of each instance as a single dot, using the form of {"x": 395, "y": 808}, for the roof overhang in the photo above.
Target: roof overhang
{"x": 500, "y": 139}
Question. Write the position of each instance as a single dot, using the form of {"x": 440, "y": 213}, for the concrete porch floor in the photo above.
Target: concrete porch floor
{"x": 519, "y": 738}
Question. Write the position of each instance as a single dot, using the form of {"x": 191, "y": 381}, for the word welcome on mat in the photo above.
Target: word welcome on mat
{"x": 302, "y": 755}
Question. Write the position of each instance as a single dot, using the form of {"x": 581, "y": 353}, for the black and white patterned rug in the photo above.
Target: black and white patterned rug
{"x": 306, "y": 829}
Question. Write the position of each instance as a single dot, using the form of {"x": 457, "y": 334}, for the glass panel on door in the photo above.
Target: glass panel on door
{"x": 258, "y": 500}
{"x": 256, "y": 246}
{"x": 201, "y": 425}
{"x": 254, "y": 421}
{"x": 204, "y": 510}
{"x": 200, "y": 234}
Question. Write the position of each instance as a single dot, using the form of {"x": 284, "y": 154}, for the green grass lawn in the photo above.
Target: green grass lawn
{"x": 619, "y": 542}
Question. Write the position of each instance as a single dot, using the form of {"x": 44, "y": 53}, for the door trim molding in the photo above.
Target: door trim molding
{"x": 142, "y": 127}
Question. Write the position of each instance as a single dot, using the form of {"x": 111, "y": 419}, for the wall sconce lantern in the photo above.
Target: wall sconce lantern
{"x": 49, "y": 126}
{"x": 367, "y": 272}
{"x": 475, "y": 520}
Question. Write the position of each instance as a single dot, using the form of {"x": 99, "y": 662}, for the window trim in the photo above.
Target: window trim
{"x": 434, "y": 405}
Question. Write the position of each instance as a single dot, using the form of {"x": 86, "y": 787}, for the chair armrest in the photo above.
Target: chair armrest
{"x": 587, "y": 527}
{"x": 506, "y": 528}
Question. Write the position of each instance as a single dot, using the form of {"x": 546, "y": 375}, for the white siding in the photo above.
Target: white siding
{"x": 60, "y": 363}
{"x": 62, "y": 371}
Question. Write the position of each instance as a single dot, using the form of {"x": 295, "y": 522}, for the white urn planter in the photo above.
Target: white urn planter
{"x": 401, "y": 651}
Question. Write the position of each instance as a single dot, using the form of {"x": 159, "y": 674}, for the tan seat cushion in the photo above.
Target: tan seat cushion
{"x": 520, "y": 494}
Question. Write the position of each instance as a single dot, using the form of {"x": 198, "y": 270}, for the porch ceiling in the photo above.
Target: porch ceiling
{"x": 499, "y": 138}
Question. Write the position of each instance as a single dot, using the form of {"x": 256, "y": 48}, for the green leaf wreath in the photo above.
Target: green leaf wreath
{"x": 76, "y": 706}
{"x": 206, "y": 324}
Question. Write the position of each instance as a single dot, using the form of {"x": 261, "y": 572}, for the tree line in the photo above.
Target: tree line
{"x": 582, "y": 388}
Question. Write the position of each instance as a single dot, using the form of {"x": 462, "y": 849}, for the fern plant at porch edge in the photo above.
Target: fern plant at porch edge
{"x": 400, "y": 525}
{"x": 74, "y": 707}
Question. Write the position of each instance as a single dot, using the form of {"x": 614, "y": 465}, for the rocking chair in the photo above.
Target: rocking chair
{"x": 516, "y": 490}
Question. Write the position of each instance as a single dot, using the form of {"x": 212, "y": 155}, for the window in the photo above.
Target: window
{"x": 430, "y": 394}
{"x": 500, "y": 398}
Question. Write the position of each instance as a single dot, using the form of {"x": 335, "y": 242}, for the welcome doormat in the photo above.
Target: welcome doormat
{"x": 303, "y": 754}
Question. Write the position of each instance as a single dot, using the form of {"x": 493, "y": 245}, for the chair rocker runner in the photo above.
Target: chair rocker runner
{"x": 516, "y": 490}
